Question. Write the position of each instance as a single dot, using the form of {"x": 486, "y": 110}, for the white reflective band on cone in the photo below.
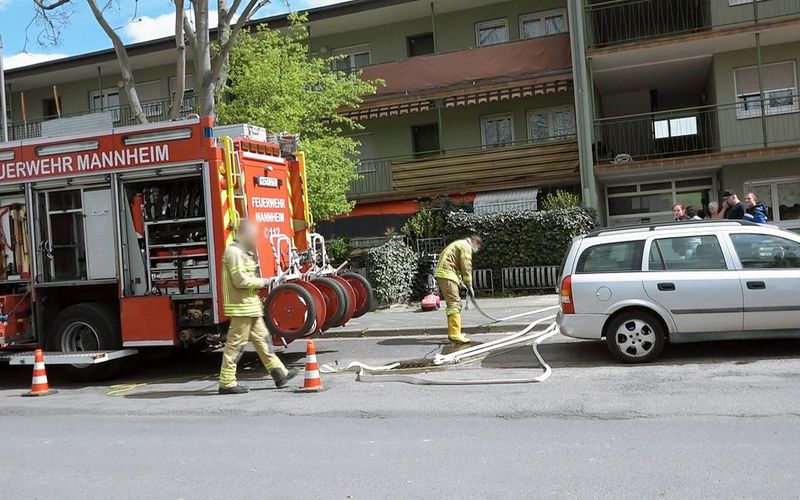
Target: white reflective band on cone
{"x": 312, "y": 374}
{"x": 38, "y": 365}
{"x": 39, "y": 380}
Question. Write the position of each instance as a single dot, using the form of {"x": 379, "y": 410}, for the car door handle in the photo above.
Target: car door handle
{"x": 756, "y": 285}
{"x": 666, "y": 287}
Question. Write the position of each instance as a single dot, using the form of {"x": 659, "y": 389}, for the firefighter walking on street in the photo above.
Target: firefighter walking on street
{"x": 241, "y": 303}
{"x": 453, "y": 270}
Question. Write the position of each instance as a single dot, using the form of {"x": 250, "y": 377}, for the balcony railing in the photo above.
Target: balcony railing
{"x": 155, "y": 111}
{"x": 700, "y": 130}
{"x": 611, "y": 22}
{"x": 469, "y": 169}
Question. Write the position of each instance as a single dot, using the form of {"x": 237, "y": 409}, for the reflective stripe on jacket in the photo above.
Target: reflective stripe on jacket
{"x": 455, "y": 262}
{"x": 240, "y": 283}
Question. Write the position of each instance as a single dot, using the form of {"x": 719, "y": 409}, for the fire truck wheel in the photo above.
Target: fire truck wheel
{"x": 290, "y": 311}
{"x": 350, "y": 302}
{"x": 363, "y": 293}
{"x": 335, "y": 300}
{"x": 87, "y": 327}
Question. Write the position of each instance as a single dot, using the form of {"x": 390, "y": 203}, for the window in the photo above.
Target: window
{"x": 551, "y": 124}
{"x": 543, "y": 23}
{"x": 758, "y": 251}
{"x": 187, "y": 105}
{"x": 420, "y": 45}
{"x": 497, "y": 130}
{"x": 780, "y": 90}
{"x": 687, "y": 253}
{"x": 781, "y": 196}
{"x": 151, "y": 99}
{"x": 675, "y": 127}
{"x": 107, "y": 100}
{"x": 740, "y": 2}
{"x": 653, "y": 201}
{"x": 611, "y": 258}
{"x": 351, "y": 58}
{"x": 491, "y": 32}
{"x": 425, "y": 140}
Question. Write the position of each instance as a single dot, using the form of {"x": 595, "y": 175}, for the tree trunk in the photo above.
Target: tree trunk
{"x": 203, "y": 60}
{"x": 128, "y": 81}
{"x": 180, "y": 73}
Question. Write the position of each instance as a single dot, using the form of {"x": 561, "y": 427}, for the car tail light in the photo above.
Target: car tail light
{"x": 567, "y": 305}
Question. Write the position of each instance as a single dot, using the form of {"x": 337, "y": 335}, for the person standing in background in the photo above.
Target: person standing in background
{"x": 755, "y": 210}
{"x": 736, "y": 209}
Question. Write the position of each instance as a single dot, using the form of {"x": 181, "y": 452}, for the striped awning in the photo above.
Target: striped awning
{"x": 508, "y": 93}
{"x": 368, "y": 112}
{"x": 390, "y": 110}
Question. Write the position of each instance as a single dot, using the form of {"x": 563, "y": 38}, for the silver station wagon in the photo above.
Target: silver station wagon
{"x": 642, "y": 287}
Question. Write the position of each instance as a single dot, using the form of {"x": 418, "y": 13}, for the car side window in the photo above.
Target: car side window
{"x": 687, "y": 253}
{"x": 759, "y": 251}
{"x": 618, "y": 257}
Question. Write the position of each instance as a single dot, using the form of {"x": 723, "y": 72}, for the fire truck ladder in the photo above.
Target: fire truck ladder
{"x": 235, "y": 197}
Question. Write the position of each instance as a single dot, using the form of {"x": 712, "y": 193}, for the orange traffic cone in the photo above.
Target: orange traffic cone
{"x": 312, "y": 382}
{"x": 39, "y": 386}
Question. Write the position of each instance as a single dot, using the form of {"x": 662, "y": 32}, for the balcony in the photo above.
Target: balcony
{"x": 508, "y": 61}
{"x": 545, "y": 162}
{"x": 700, "y": 130}
{"x": 155, "y": 111}
{"x": 613, "y": 22}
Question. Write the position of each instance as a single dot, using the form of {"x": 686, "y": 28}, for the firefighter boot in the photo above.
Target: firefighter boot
{"x": 454, "y": 329}
{"x": 236, "y": 389}
{"x": 282, "y": 378}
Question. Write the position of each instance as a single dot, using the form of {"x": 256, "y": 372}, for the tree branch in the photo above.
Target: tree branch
{"x": 180, "y": 72}
{"x": 124, "y": 63}
{"x": 51, "y": 6}
{"x": 221, "y": 59}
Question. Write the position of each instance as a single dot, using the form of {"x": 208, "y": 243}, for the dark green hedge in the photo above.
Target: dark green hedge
{"x": 520, "y": 238}
{"x": 391, "y": 268}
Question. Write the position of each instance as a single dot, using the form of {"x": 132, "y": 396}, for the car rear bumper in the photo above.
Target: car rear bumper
{"x": 582, "y": 326}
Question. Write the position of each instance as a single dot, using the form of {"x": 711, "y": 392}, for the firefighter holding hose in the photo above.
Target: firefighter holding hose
{"x": 454, "y": 269}
{"x": 241, "y": 303}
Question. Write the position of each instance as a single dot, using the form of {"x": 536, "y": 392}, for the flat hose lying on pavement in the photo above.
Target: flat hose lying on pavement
{"x": 366, "y": 373}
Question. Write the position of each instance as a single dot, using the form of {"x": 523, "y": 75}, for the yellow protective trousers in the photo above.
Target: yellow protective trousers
{"x": 452, "y": 298}
{"x": 240, "y": 331}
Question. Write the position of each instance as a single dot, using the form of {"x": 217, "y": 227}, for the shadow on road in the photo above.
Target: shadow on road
{"x": 595, "y": 354}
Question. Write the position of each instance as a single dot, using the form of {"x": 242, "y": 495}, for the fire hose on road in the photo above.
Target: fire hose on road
{"x": 526, "y": 336}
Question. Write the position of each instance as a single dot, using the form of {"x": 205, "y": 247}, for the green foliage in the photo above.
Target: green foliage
{"x": 338, "y": 249}
{"x": 275, "y": 84}
{"x": 521, "y": 238}
{"x": 560, "y": 199}
{"x": 431, "y": 219}
{"x": 390, "y": 269}
{"x": 420, "y": 225}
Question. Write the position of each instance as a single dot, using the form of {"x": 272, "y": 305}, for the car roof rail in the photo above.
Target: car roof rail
{"x": 671, "y": 224}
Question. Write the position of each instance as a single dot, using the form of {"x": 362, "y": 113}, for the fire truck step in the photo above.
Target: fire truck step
{"x": 64, "y": 358}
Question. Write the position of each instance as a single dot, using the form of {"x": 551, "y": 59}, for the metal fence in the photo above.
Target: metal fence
{"x": 612, "y": 22}
{"x": 698, "y": 130}
{"x": 155, "y": 111}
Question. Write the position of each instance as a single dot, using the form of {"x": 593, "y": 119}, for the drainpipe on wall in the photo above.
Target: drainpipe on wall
{"x": 3, "y": 93}
{"x": 584, "y": 113}
{"x": 439, "y": 102}
{"x": 100, "y": 86}
{"x": 761, "y": 90}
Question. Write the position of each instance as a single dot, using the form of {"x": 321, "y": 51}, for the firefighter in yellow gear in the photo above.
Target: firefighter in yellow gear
{"x": 241, "y": 303}
{"x": 453, "y": 270}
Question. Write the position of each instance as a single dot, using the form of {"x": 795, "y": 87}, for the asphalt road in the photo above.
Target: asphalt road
{"x": 708, "y": 421}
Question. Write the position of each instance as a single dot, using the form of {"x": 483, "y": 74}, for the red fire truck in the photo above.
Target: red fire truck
{"x": 111, "y": 243}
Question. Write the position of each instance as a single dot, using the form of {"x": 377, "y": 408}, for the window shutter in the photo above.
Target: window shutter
{"x": 746, "y": 81}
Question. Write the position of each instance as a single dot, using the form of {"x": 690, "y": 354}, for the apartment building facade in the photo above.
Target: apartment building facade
{"x": 687, "y": 98}
{"x": 477, "y": 101}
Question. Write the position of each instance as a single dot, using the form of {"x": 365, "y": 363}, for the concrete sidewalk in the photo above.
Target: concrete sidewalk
{"x": 411, "y": 320}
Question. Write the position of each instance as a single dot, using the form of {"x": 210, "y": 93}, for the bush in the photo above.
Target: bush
{"x": 390, "y": 269}
{"x": 521, "y": 238}
{"x": 338, "y": 250}
{"x": 560, "y": 199}
{"x": 431, "y": 219}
